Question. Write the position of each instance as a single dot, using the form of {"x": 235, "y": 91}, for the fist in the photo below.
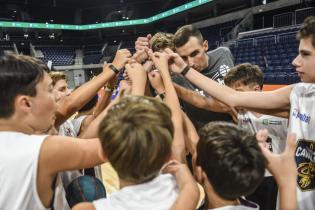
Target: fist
{"x": 142, "y": 43}
{"x": 121, "y": 58}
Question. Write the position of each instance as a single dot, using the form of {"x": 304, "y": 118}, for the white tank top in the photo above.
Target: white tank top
{"x": 302, "y": 123}
{"x": 18, "y": 171}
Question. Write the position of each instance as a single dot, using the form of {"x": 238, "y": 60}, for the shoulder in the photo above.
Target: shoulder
{"x": 220, "y": 50}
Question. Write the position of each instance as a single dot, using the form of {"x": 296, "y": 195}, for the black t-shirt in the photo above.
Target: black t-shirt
{"x": 220, "y": 61}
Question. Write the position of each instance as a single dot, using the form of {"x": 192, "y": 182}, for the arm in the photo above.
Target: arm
{"x": 138, "y": 77}
{"x": 59, "y": 153}
{"x": 92, "y": 130}
{"x": 83, "y": 94}
{"x": 178, "y": 147}
{"x": 188, "y": 191}
{"x": 277, "y": 99}
{"x": 199, "y": 101}
{"x": 283, "y": 168}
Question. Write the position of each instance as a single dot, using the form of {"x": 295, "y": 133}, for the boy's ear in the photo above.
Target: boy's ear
{"x": 22, "y": 103}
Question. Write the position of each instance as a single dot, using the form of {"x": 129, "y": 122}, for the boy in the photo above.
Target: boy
{"x": 230, "y": 164}
{"x": 32, "y": 162}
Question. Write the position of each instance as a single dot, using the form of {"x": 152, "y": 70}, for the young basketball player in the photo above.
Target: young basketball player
{"x": 33, "y": 161}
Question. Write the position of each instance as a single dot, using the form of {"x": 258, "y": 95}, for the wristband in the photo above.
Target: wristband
{"x": 185, "y": 70}
{"x": 113, "y": 68}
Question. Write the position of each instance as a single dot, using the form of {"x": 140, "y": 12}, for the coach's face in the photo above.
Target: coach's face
{"x": 194, "y": 53}
{"x": 304, "y": 63}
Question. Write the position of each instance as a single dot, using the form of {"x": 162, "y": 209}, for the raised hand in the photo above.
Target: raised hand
{"x": 282, "y": 166}
{"x": 176, "y": 63}
{"x": 140, "y": 56}
{"x": 156, "y": 81}
{"x": 121, "y": 58}
{"x": 160, "y": 60}
{"x": 142, "y": 43}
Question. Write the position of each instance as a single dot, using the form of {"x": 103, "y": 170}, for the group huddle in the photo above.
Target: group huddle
{"x": 187, "y": 130}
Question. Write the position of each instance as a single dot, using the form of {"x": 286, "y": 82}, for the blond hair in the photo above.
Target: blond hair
{"x": 56, "y": 76}
{"x": 162, "y": 40}
{"x": 136, "y": 136}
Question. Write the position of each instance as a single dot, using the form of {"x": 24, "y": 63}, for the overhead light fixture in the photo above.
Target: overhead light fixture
{"x": 26, "y": 35}
{"x": 115, "y": 41}
{"x": 52, "y": 20}
{"x": 14, "y": 11}
{"x": 127, "y": 18}
{"x": 46, "y": 22}
{"x": 39, "y": 37}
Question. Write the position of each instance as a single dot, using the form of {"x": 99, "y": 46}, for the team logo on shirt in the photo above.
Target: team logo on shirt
{"x": 271, "y": 122}
{"x": 305, "y": 160}
{"x": 303, "y": 117}
{"x": 219, "y": 75}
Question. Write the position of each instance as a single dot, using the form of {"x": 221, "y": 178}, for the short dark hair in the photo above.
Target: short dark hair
{"x": 246, "y": 74}
{"x": 307, "y": 29}
{"x": 231, "y": 159}
{"x": 19, "y": 74}
{"x": 183, "y": 34}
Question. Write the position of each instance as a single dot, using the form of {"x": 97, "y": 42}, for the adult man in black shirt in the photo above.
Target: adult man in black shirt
{"x": 191, "y": 46}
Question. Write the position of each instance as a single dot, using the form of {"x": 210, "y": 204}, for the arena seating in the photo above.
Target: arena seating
{"x": 273, "y": 51}
{"x": 59, "y": 55}
{"x": 92, "y": 54}
{"x": 6, "y": 48}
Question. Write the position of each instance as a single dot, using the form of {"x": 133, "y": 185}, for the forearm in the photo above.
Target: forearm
{"x": 138, "y": 88}
{"x": 81, "y": 96}
{"x": 92, "y": 130}
{"x": 188, "y": 197}
{"x": 287, "y": 194}
{"x": 171, "y": 99}
{"x": 253, "y": 99}
{"x": 199, "y": 101}
{"x": 103, "y": 103}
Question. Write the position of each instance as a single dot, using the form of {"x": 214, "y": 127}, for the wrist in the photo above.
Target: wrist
{"x": 185, "y": 70}
{"x": 115, "y": 68}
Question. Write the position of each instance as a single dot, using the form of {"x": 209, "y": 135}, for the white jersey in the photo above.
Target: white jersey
{"x": 302, "y": 123}
{"x": 67, "y": 129}
{"x": 277, "y": 128}
{"x": 19, "y": 155}
{"x": 159, "y": 194}
{"x": 245, "y": 205}
{"x": 63, "y": 179}
{"x": 77, "y": 122}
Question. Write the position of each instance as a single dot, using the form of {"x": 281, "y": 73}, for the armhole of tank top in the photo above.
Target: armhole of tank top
{"x": 37, "y": 197}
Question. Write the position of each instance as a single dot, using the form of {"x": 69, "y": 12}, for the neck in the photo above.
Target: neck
{"x": 124, "y": 183}
{"x": 213, "y": 200}
{"x": 207, "y": 62}
{"x": 15, "y": 126}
